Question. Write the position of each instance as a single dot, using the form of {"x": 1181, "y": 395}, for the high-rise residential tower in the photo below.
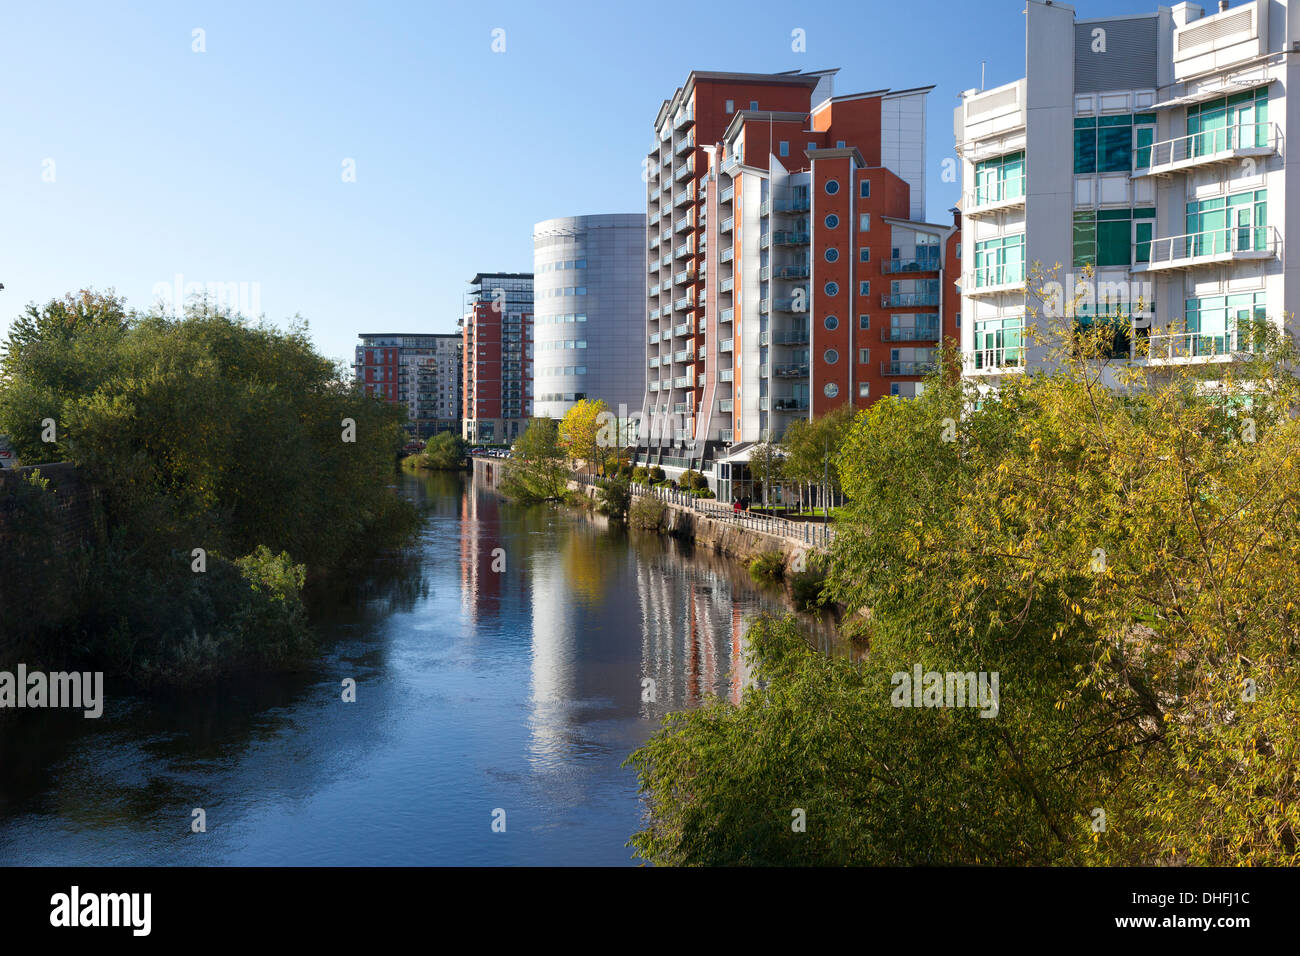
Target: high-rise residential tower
{"x": 418, "y": 370}
{"x": 1149, "y": 148}
{"x": 589, "y": 322}
{"x": 790, "y": 269}
{"x": 497, "y": 371}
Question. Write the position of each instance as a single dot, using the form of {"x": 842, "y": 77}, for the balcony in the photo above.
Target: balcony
{"x": 686, "y": 222}
{"x": 896, "y": 266}
{"x": 727, "y": 224}
{"x": 685, "y": 143}
{"x": 683, "y": 277}
{"x": 686, "y": 169}
{"x": 653, "y": 363}
{"x": 730, "y": 164}
{"x": 797, "y": 204}
{"x": 727, "y": 194}
{"x": 787, "y": 304}
{"x": 684, "y": 118}
{"x": 682, "y": 251}
{"x": 654, "y": 338}
{"x": 702, "y": 324}
{"x": 994, "y": 361}
{"x": 684, "y": 197}
{"x": 726, "y": 405}
{"x": 726, "y": 375}
{"x": 787, "y": 237}
{"x": 653, "y": 386}
{"x": 654, "y": 243}
{"x": 1228, "y": 145}
{"x": 909, "y": 299}
{"x": 666, "y": 261}
{"x": 654, "y": 314}
{"x": 725, "y": 255}
{"x": 726, "y": 345}
{"x": 682, "y": 330}
{"x": 792, "y": 337}
{"x": 1186, "y": 347}
{"x": 764, "y": 403}
{"x": 1234, "y": 244}
{"x": 908, "y": 368}
{"x": 764, "y": 306}
{"x": 726, "y": 285}
{"x": 700, "y": 380}
{"x": 765, "y": 207}
{"x": 792, "y": 272}
{"x": 919, "y": 333}
{"x": 699, "y": 354}
{"x": 727, "y": 315}
{"x": 993, "y": 198}
{"x": 791, "y": 404}
{"x": 795, "y": 370}
{"x": 682, "y": 356}
{"x": 989, "y": 280}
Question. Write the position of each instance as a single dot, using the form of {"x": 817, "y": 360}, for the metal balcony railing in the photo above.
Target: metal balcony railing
{"x": 918, "y": 333}
{"x": 1208, "y": 248}
{"x": 1211, "y": 146}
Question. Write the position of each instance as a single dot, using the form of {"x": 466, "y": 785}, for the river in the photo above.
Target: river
{"x": 502, "y": 665}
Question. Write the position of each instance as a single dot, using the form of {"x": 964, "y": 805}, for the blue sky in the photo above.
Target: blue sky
{"x": 226, "y": 166}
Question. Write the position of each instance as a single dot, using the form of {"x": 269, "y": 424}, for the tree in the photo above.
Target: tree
{"x": 808, "y": 444}
{"x": 581, "y": 431}
{"x": 537, "y": 469}
{"x": 1122, "y": 557}
{"x": 765, "y": 463}
{"x": 444, "y": 452}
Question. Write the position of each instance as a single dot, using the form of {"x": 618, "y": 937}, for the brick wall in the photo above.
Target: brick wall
{"x": 76, "y": 513}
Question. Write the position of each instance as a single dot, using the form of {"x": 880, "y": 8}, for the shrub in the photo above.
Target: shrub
{"x": 640, "y": 475}
{"x": 647, "y": 514}
{"x": 615, "y": 499}
{"x": 769, "y": 566}
{"x": 657, "y": 474}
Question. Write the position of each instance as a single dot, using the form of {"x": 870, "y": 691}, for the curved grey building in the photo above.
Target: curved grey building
{"x": 589, "y": 313}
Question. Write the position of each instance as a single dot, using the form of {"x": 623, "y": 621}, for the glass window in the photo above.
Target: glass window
{"x": 832, "y": 221}
{"x": 1085, "y": 145}
{"x": 864, "y": 254}
{"x": 864, "y": 321}
{"x": 864, "y": 388}
{"x": 864, "y": 287}
{"x": 785, "y": 147}
{"x": 864, "y": 356}
{"x": 831, "y": 255}
{"x": 731, "y": 106}
{"x": 832, "y": 187}
{"x": 1000, "y": 179}
{"x": 864, "y": 189}
{"x": 831, "y": 323}
{"x": 831, "y": 356}
{"x": 831, "y": 288}
{"x": 753, "y": 104}
{"x": 864, "y": 222}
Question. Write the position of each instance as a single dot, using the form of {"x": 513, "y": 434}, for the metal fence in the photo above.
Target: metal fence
{"x": 812, "y": 533}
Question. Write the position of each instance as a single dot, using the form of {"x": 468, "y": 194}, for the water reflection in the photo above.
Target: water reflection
{"x": 502, "y": 662}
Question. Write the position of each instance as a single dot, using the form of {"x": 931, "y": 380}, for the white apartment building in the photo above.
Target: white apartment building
{"x": 1151, "y": 147}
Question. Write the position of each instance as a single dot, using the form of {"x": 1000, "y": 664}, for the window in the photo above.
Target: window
{"x": 864, "y": 222}
{"x": 831, "y": 356}
{"x": 832, "y": 221}
{"x": 1105, "y": 144}
{"x": 832, "y": 187}
{"x": 839, "y": 144}
{"x": 831, "y": 323}
{"x": 1237, "y": 222}
{"x": 731, "y": 106}
{"x": 864, "y": 287}
{"x": 812, "y": 145}
{"x": 864, "y": 356}
{"x": 864, "y": 321}
{"x": 785, "y": 147}
{"x": 1233, "y": 122}
{"x": 831, "y": 255}
{"x": 1000, "y": 261}
{"x": 1212, "y": 321}
{"x": 831, "y": 288}
{"x": 864, "y": 389}
{"x": 1000, "y": 179}
{"x": 753, "y": 104}
{"x": 895, "y": 389}
{"x": 1113, "y": 237}
{"x": 830, "y": 390}
{"x": 864, "y": 189}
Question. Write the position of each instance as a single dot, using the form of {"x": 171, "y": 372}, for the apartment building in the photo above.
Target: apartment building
{"x": 417, "y": 370}
{"x": 790, "y": 269}
{"x": 1150, "y": 148}
{"x": 589, "y": 290}
{"x": 497, "y": 343}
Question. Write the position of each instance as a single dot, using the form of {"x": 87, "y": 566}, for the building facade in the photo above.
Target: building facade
{"x": 420, "y": 371}
{"x": 589, "y": 321}
{"x": 1149, "y": 149}
{"x": 790, "y": 269}
{"x": 497, "y": 343}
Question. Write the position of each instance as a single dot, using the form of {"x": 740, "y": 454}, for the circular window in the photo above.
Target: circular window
{"x": 831, "y": 323}
{"x": 831, "y": 356}
{"x": 832, "y": 187}
{"x": 832, "y": 255}
{"x": 831, "y": 390}
{"x": 832, "y": 221}
{"x": 831, "y": 288}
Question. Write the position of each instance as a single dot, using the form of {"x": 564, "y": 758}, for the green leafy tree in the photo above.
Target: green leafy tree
{"x": 537, "y": 470}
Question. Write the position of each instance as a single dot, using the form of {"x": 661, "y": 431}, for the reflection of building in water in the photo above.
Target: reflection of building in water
{"x": 480, "y": 587}
{"x": 692, "y": 633}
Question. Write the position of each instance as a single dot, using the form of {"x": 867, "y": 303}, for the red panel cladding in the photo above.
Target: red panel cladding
{"x": 825, "y": 304}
